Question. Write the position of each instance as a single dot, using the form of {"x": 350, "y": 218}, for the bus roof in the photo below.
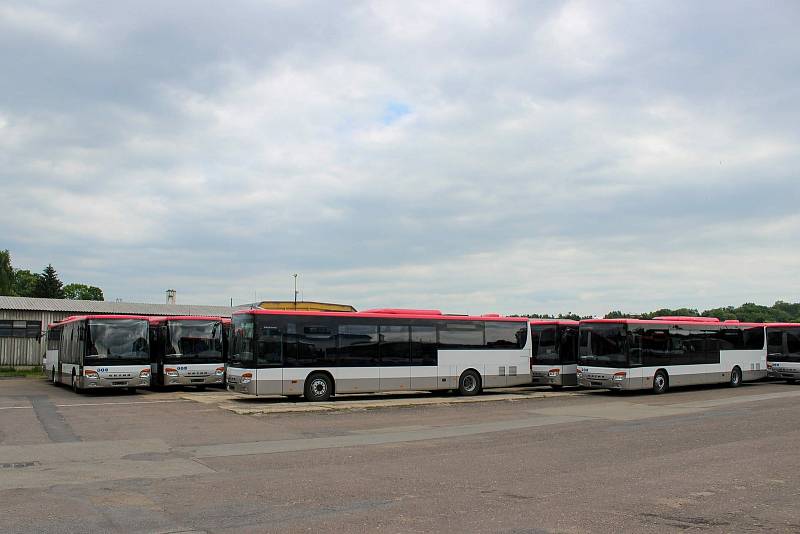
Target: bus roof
{"x": 783, "y": 325}
{"x": 557, "y": 322}
{"x": 668, "y": 321}
{"x": 385, "y": 313}
{"x": 74, "y": 318}
{"x": 185, "y": 318}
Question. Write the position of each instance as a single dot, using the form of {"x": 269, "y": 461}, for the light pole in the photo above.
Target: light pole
{"x": 295, "y": 290}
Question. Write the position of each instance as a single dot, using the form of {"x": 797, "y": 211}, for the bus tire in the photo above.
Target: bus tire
{"x": 201, "y": 388}
{"x": 318, "y": 387}
{"x": 469, "y": 383}
{"x": 55, "y": 379}
{"x": 660, "y": 382}
{"x": 790, "y": 381}
{"x": 556, "y": 386}
{"x": 736, "y": 377}
{"x": 75, "y": 386}
{"x": 132, "y": 390}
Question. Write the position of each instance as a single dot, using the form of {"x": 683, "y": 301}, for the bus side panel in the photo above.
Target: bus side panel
{"x": 356, "y": 379}
{"x": 395, "y": 378}
{"x": 269, "y": 381}
{"x": 424, "y": 377}
{"x": 753, "y": 363}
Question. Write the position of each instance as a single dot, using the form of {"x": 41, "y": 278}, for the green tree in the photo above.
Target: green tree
{"x": 25, "y": 283}
{"x": 48, "y": 285}
{"x": 6, "y": 273}
{"x": 82, "y": 292}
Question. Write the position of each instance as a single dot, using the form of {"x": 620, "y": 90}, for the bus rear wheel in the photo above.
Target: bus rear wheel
{"x": 469, "y": 384}
{"x": 318, "y": 388}
{"x": 736, "y": 378}
{"x": 75, "y": 386}
{"x": 660, "y": 383}
{"x": 55, "y": 378}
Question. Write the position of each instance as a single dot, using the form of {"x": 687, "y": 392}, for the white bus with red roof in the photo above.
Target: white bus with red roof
{"x": 99, "y": 351}
{"x": 187, "y": 351}
{"x": 783, "y": 351}
{"x": 319, "y": 354}
{"x": 626, "y": 354}
{"x": 554, "y": 356}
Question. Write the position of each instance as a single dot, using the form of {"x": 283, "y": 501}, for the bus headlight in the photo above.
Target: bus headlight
{"x": 579, "y": 372}
{"x": 91, "y": 374}
{"x": 144, "y": 373}
{"x": 620, "y": 376}
{"x": 553, "y": 372}
{"x": 246, "y": 378}
{"x": 171, "y": 371}
{"x": 219, "y": 371}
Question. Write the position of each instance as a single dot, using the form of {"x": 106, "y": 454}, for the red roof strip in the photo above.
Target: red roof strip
{"x": 184, "y": 318}
{"x": 75, "y": 318}
{"x": 378, "y": 315}
{"x": 560, "y": 322}
{"x": 783, "y": 325}
{"x": 654, "y": 321}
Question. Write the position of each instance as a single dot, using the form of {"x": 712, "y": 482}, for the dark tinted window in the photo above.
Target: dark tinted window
{"x": 200, "y": 341}
{"x": 655, "y": 347}
{"x": 358, "y": 345}
{"x": 793, "y": 342}
{"x": 53, "y": 338}
{"x": 774, "y": 345}
{"x": 603, "y": 345}
{"x": 689, "y": 346}
{"x": 269, "y": 342}
{"x": 395, "y": 345}
{"x": 546, "y": 353}
{"x": 461, "y": 335}
{"x": 730, "y": 339}
{"x": 754, "y": 338}
{"x": 568, "y": 344}
{"x": 241, "y": 347}
{"x": 505, "y": 335}
{"x": 423, "y": 345}
{"x": 315, "y": 343}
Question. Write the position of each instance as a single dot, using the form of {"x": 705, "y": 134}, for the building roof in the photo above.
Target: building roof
{"x": 86, "y": 307}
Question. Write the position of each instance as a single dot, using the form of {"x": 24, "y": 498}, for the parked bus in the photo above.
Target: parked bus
{"x": 623, "y": 354}
{"x": 783, "y": 351}
{"x": 99, "y": 351}
{"x": 554, "y": 356}
{"x": 319, "y": 354}
{"x": 187, "y": 351}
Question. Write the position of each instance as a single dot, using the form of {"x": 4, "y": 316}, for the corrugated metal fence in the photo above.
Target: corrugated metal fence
{"x": 20, "y": 351}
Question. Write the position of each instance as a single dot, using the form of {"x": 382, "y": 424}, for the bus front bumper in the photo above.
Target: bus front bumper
{"x": 784, "y": 371}
{"x": 606, "y": 381}
{"x": 98, "y": 383}
{"x": 184, "y": 380}
{"x": 235, "y": 385}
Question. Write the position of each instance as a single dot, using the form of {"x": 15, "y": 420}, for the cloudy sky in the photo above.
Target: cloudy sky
{"x": 471, "y": 156}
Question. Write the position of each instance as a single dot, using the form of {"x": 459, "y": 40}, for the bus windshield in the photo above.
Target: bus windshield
{"x": 546, "y": 350}
{"x": 603, "y": 345}
{"x": 241, "y": 345}
{"x": 196, "y": 341}
{"x": 117, "y": 342}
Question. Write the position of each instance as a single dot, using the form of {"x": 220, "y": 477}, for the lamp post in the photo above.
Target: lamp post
{"x": 295, "y": 290}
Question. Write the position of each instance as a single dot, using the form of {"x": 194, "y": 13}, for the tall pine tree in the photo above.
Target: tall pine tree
{"x": 6, "y": 274}
{"x": 48, "y": 285}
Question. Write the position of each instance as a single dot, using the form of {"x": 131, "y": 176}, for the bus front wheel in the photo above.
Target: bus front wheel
{"x": 470, "y": 383}
{"x": 318, "y": 388}
{"x": 736, "y": 378}
{"x": 660, "y": 383}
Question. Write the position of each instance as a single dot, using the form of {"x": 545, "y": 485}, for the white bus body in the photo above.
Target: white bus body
{"x": 658, "y": 354}
{"x": 492, "y": 364}
{"x": 554, "y": 346}
{"x": 783, "y": 351}
{"x": 99, "y": 351}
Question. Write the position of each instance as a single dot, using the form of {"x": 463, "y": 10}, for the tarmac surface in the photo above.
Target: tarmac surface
{"x": 521, "y": 460}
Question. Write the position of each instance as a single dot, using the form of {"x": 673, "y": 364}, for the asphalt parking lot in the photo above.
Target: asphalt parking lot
{"x": 521, "y": 460}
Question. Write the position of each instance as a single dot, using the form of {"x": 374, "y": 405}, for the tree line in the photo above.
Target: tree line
{"x": 24, "y": 283}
